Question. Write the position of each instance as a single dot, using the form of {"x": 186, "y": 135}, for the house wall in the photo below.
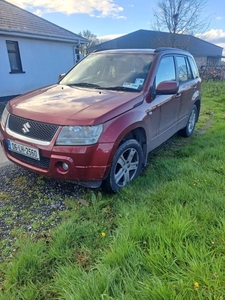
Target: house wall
{"x": 42, "y": 62}
{"x": 207, "y": 60}
{"x": 200, "y": 61}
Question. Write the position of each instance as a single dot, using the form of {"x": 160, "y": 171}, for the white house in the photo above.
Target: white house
{"x": 33, "y": 51}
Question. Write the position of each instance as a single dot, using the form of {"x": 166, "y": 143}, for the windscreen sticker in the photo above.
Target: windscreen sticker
{"x": 134, "y": 85}
{"x": 131, "y": 85}
{"x": 139, "y": 81}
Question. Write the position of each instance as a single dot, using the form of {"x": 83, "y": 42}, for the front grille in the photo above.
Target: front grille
{"x": 32, "y": 129}
{"x": 44, "y": 162}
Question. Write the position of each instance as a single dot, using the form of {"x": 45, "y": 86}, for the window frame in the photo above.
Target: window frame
{"x": 193, "y": 66}
{"x": 17, "y": 58}
{"x": 159, "y": 65}
{"x": 188, "y": 69}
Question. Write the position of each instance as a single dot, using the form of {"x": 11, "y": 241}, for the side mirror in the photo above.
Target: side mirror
{"x": 61, "y": 76}
{"x": 167, "y": 87}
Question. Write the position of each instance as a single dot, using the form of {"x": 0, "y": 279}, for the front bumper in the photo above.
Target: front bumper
{"x": 86, "y": 165}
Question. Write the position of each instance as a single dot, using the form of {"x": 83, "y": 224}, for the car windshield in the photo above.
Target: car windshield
{"x": 115, "y": 71}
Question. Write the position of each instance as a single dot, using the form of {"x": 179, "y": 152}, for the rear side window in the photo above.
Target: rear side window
{"x": 166, "y": 70}
{"x": 184, "y": 70}
{"x": 193, "y": 67}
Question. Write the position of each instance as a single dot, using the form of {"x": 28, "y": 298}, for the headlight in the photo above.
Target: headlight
{"x": 79, "y": 135}
{"x": 4, "y": 117}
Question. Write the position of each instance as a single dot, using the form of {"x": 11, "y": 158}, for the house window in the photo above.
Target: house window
{"x": 14, "y": 57}
{"x": 213, "y": 61}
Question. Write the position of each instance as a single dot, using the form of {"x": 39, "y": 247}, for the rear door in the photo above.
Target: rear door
{"x": 188, "y": 84}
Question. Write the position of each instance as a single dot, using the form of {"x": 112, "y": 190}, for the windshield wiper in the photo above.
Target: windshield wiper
{"x": 85, "y": 84}
{"x": 120, "y": 88}
{"x": 114, "y": 88}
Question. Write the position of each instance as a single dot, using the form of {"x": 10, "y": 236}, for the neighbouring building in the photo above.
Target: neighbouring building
{"x": 205, "y": 53}
{"x": 33, "y": 51}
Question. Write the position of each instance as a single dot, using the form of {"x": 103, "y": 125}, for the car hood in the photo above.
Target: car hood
{"x": 66, "y": 105}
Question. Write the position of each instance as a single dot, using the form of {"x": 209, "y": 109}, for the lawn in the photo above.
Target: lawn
{"x": 162, "y": 237}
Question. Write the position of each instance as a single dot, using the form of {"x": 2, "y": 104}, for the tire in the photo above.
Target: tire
{"x": 126, "y": 165}
{"x": 189, "y": 128}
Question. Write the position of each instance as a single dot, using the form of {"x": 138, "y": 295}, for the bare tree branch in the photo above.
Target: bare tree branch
{"x": 91, "y": 37}
{"x": 181, "y": 16}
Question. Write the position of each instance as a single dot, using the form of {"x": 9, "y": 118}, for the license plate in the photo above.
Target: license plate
{"x": 23, "y": 149}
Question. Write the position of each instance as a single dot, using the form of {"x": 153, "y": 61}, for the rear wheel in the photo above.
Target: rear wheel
{"x": 189, "y": 128}
{"x": 126, "y": 166}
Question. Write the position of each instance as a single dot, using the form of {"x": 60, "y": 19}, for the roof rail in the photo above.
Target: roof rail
{"x": 160, "y": 49}
{"x": 99, "y": 50}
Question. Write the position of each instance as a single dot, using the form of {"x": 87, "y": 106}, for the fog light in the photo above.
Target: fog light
{"x": 65, "y": 166}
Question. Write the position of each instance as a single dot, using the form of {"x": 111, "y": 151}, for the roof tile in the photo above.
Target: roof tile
{"x": 15, "y": 19}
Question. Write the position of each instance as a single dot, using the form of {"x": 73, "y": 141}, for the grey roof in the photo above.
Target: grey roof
{"x": 17, "y": 21}
{"x": 154, "y": 39}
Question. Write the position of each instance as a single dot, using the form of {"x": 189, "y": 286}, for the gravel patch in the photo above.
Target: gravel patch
{"x": 30, "y": 204}
{"x": 2, "y": 106}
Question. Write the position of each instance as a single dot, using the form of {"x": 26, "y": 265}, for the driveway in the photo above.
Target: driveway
{"x": 2, "y": 106}
{"x": 3, "y": 160}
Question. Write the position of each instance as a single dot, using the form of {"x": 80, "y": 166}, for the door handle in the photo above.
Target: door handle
{"x": 178, "y": 95}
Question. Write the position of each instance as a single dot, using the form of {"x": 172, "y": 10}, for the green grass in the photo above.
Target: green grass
{"x": 162, "y": 237}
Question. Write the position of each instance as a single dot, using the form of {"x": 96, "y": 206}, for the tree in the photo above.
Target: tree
{"x": 181, "y": 16}
{"x": 91, "y": 37}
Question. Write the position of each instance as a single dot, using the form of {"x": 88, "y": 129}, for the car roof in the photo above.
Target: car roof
{"x": 144, "y": 51}
{"x": 150, "y": 51}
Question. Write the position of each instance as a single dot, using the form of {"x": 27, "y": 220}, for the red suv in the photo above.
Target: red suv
{"x": 98, "y": 124}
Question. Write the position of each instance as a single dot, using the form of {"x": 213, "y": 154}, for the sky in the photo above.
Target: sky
{"x": 109, "y": 19}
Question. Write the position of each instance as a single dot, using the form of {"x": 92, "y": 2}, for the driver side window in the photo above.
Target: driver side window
{"x": 166, "y": 70}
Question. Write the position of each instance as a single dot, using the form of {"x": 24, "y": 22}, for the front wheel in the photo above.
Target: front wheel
{"x": 189, "y": 128}
{"x": 126, "y": 166}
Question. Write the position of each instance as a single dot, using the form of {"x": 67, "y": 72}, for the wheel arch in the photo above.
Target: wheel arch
{"x": 139, "y": 134}
{"x": 131, "y": 125}
{"x": 127, "y": 164}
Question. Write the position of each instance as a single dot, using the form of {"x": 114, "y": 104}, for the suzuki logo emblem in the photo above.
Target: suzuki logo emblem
{"x": 26, "y": 127}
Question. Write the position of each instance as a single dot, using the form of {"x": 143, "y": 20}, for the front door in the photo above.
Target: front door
{"x": 168, "y": 104}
